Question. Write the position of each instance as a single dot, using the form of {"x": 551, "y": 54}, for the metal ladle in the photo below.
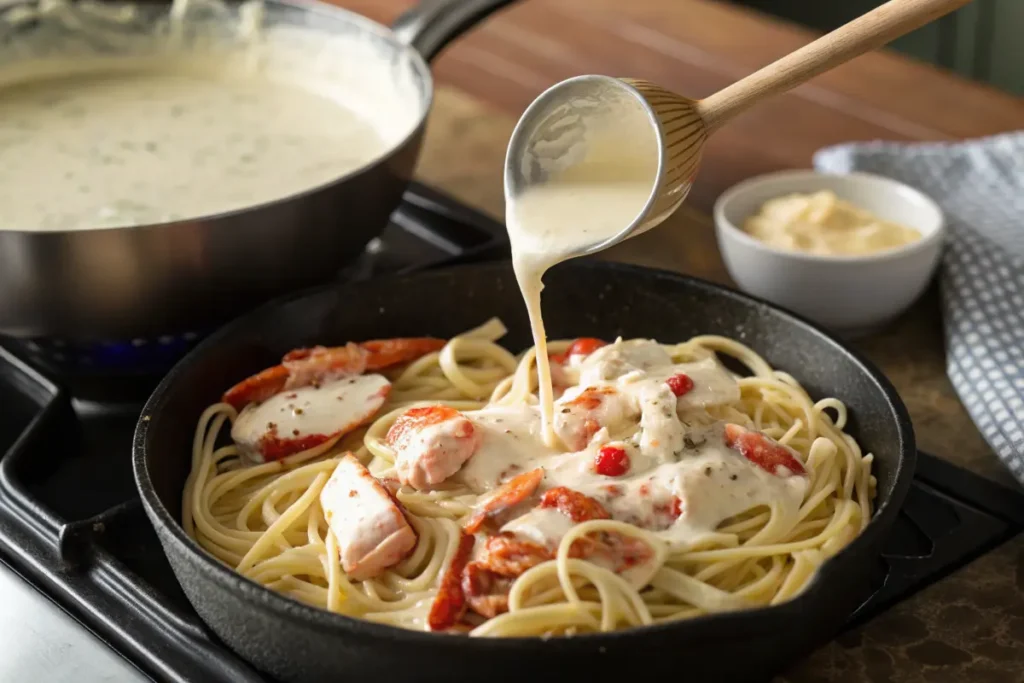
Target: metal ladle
{"x": 559, "y": 118}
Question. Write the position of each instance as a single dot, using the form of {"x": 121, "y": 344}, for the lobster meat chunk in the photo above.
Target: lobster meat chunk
{"x": 370, "y": 526}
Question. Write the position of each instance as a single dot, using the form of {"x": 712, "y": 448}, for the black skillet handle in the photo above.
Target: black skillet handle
{"x": 134, "y": 614}
{"x": 432, "y": 24}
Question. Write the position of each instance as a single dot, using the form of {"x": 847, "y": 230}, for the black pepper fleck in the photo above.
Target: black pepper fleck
{"x": 734, "y": 477}
{"x": 707, "y": 471}
{"x": 298, "y": 411}
{"x": 295, "y": 432}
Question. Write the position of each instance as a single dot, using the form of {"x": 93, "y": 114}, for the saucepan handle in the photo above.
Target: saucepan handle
{"x": 432, "y": 24}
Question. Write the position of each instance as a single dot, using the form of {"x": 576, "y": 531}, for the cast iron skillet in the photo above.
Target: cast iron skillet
{"x": 298, "y": 643}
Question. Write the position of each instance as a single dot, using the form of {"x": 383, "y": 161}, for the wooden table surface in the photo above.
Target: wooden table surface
{"x": 968, "y": 627}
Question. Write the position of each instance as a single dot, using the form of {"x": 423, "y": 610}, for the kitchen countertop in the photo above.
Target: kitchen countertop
{"x": 967, "y": 627}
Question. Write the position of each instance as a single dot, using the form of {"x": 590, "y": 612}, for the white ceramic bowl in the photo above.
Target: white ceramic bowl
{"x": 849, "y": 294}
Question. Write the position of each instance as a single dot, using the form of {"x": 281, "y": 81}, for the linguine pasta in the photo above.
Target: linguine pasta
{"x": 266, "y": 520}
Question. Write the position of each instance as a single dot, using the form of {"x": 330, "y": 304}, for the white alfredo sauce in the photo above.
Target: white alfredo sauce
{"x": 163, "y": 144}
{"x": 676, "y": 451}
{"x": 111, "y": 120}
{"x": 321, "y": 410}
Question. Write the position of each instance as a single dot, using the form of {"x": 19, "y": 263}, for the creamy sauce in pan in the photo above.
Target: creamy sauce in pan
{"x": 205, "y": 110}
{"x": 112, "y": 148}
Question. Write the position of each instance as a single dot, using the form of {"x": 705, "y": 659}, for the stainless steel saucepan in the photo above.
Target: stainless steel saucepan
{"x": 125, "y": 283}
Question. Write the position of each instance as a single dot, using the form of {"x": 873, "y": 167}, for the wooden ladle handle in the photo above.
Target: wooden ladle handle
{"x": 874, "y": 29}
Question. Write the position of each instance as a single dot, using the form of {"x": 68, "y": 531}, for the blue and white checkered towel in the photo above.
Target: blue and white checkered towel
{"x": 980, "y": 185}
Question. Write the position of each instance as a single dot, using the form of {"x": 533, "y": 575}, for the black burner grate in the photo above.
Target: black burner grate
{"x": 72, "y": 525}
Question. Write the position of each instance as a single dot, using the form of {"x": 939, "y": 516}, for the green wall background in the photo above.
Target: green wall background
{"x": 983, "y": 40}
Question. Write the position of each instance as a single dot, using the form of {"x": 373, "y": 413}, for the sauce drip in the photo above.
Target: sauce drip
{"x": 573, "y": 206}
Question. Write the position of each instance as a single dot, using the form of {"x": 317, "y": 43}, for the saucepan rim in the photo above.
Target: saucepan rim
{"x": 418, "y": 65}
{"x": 264, "y": 599}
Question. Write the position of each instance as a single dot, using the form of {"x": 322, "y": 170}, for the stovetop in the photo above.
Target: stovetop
{"x": 72, "y": 527}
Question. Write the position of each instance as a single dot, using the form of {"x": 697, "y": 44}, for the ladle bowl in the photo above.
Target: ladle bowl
{"x": 559, "y": 118}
